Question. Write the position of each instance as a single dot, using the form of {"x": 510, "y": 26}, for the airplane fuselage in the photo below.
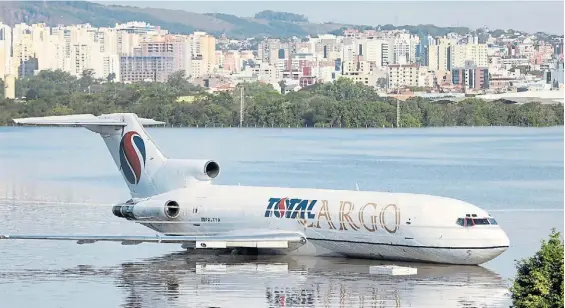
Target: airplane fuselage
{"x": 363, "y": 224}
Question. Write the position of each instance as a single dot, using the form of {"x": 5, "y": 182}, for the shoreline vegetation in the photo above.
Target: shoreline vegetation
{"x": 539, "y": 278}
{"x": 182, "y": 104}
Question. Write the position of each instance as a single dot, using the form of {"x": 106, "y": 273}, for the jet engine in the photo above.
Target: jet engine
{"x": 148, "y": 210}
{"x": 181, "y": 169}
{"x": 203, "y": 170}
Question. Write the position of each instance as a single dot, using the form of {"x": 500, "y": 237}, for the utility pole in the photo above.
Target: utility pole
{"x": 397, "y": 113}
{"x": 241, "y": 103}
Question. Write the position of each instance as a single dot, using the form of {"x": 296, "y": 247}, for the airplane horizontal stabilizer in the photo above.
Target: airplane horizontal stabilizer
{"x": 81, "y": 120}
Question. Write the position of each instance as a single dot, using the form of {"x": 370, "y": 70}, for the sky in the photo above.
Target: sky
{"x": 530, "y": 16}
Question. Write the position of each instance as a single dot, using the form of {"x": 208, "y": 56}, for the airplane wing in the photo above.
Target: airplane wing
{"x": 254, "y": 240}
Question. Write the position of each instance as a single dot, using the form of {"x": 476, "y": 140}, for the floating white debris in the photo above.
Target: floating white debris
{"x": 393, "y": 270}
{"x": 203, "y": 268}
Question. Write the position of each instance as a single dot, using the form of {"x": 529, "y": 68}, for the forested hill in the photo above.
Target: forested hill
{"x": 265, "y": 23}
{"x": 338, "y": 104}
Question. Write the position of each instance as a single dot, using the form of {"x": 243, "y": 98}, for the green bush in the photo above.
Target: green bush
{"x": 539, "y": 282}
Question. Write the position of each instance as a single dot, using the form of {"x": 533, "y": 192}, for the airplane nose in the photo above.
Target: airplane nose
{"x": 503, "y": 238}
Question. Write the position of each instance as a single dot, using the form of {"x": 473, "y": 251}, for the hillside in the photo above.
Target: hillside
{"x": 176, "y": 21}
{"x": 266, "y": 23}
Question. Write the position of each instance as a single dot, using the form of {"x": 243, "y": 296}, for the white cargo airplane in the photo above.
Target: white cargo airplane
{"x": 175, "y": 197}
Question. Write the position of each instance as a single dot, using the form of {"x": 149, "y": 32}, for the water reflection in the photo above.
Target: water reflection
{"x": 187, "y": 280}
{"x": 176, "y": 279}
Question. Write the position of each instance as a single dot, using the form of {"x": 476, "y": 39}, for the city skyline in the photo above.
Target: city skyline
{"x": 389, "y": 59}
{"x": 528, "y": 16}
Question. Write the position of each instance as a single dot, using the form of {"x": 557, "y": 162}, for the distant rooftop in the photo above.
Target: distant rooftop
{"x": 544, "y": 97}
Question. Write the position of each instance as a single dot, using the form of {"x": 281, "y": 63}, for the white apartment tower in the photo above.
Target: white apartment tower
{"x": 203, "y": 50}
{"x": 477, "y": 53}
{"x": 374, "y": 51}
{"x": 86, "y": 56}
{"x": 439, "y": 54}
{"x": 111, "y": 65}
{"x": 5, "y": 50}
{"x": 405, "y": 48}
{"x": 410, "y": 75}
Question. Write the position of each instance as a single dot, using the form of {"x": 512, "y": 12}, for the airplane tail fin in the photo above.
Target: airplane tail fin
{"x": 135, "y": 154}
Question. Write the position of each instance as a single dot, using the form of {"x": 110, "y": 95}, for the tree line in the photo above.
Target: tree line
{"x": 180, "y": 103}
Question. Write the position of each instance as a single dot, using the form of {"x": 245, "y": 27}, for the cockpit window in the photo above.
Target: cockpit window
{"x": 480, "y": 221}
{"x": 469, "y": 222}
{"x": 473, "y": 220}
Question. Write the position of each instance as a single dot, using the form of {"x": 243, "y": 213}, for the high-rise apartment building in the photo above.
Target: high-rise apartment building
{"x": 5, "y": 49}
{"x": 469, "y": 52}
{"x": 375, "y": 51}
{"x": 232, "y": 61}
{"x": 145, "y": 68}
{"x": 404, "y": 48}
{"x": 410, "y": 75}
{"x": 268, "y": 50}
{"x": 86, "y": 56}
{"x": 327, "y": 47}
{"x": 24, "y": 61}
{"x": 9, "y": 86}
{"x": 439, "y": 54}
{"x": 204, "y": 50}
{"x": 111, "y": 67}
{"x": 471, "y": 76}
{"x": 177, "y": 47}
{"x": 3, "y": 60}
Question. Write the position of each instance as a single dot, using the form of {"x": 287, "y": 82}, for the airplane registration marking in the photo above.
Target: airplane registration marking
{"x": 210, "y": 219}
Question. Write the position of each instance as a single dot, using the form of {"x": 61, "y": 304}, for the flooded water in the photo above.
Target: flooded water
{"x": 63, "y": 180}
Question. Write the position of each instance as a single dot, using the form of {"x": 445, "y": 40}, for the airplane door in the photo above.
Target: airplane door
{"x": 197, "y": 207}
{"x": 198, "y": 211}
